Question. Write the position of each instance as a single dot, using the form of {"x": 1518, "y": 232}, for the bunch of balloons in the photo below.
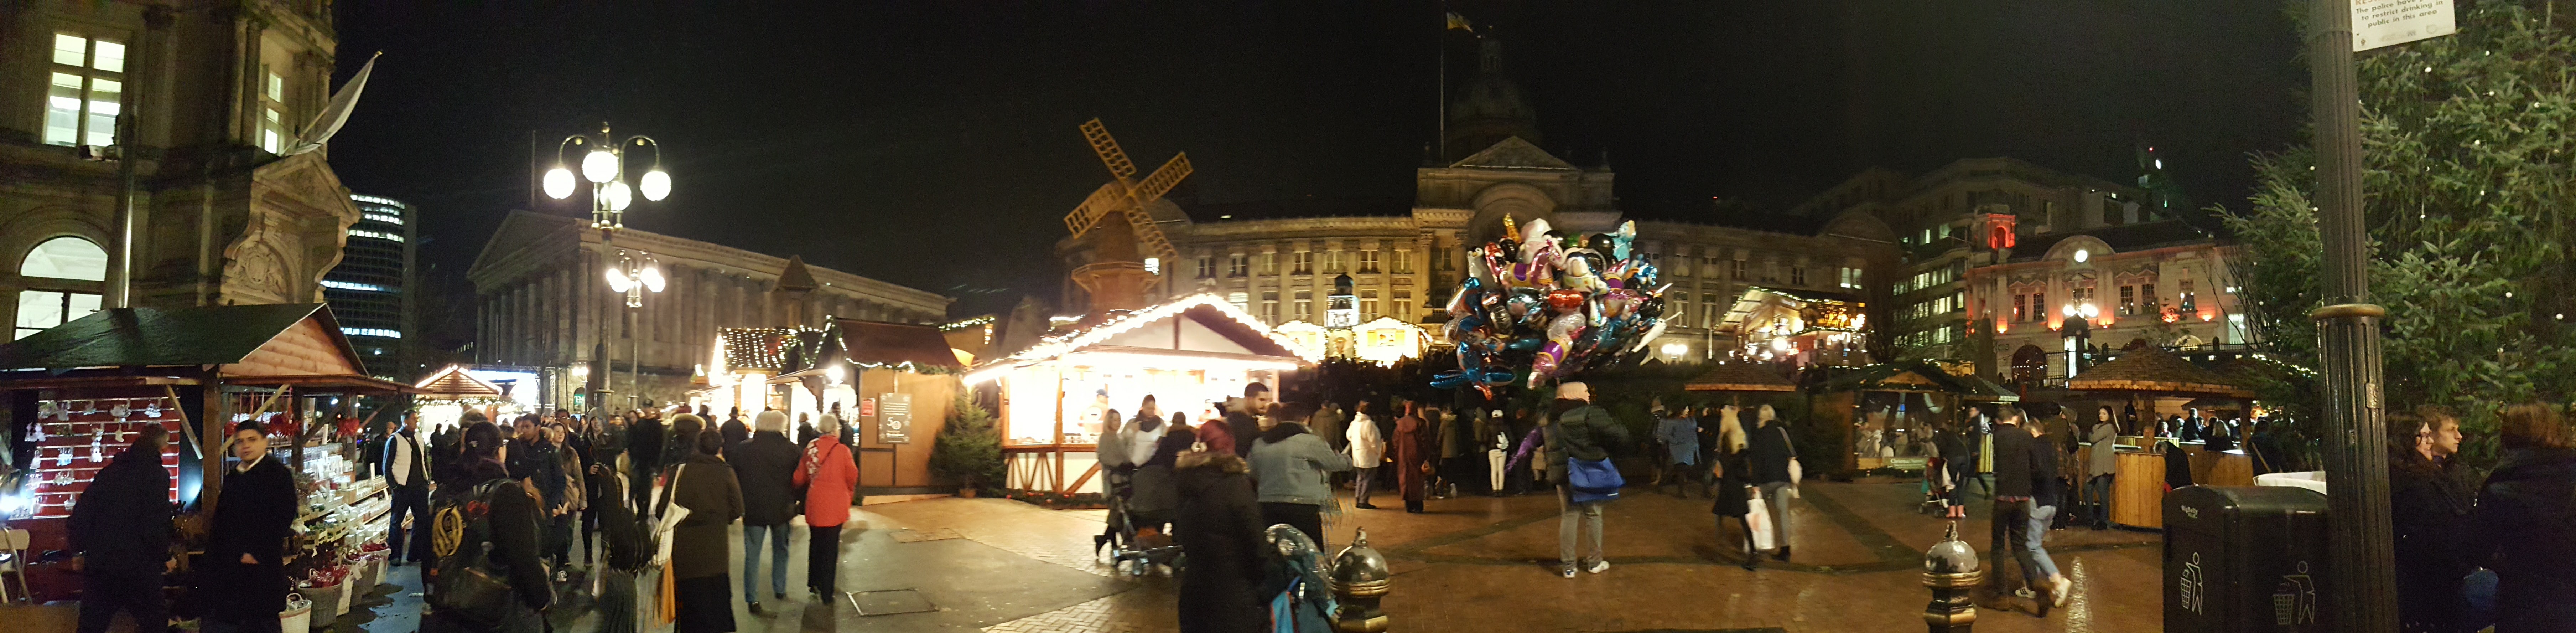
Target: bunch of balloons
{"x": 1548, "y": 306}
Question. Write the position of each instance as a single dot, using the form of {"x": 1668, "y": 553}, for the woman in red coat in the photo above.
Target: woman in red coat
{"x": 829, "y": 477}
{"x": 1412, "y": 465}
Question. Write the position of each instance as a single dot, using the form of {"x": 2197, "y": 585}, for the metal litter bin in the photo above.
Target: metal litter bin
{"x": 2244, "y": 558}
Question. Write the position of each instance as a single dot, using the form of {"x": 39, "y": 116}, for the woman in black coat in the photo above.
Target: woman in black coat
{"x": 1219, "y": 528}
{"x": 2526, "y": 523}
{"x": 243, "y": 578}
{"x": 1733, "y": 476}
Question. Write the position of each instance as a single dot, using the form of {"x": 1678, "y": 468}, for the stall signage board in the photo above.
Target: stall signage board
{"x": 867, "y": 407}
{"x": 894, "y": 422}
{"x": 2377, "y": 23}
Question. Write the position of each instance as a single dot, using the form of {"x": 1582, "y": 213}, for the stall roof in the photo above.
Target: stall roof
{"x": 453, "y": 382}
{"x": 276, "y": 340}
{"x": 1203, "y": 324}
{"x": 883, "y": 344}
{"x": 758, "y": 348}
{"x": 1740, "y": 377}
{"x": 1919, "y": 376}
{"x": 2152, "y": 369}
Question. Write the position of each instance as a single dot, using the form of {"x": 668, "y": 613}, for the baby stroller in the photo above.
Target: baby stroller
{"x": 1299, "y": 601}
{"x": 1124, "y": 544}
{"x": 1937, "y": 487}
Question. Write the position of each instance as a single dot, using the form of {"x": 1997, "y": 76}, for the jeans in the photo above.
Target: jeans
{"x": 1360, "y": 480}
{"x": 823, "y": 560}
{"x": 2011, "y": 519}
{"x": 751, "y": 537}
{"x": 1777, "y": 494}
{"x": 1306, "y": 517}
{"x": 2039, "y": 517}
{"x": 1570, "y": 512}
{"x": 2097, "y": 491}
{"x": 414, "y": 501}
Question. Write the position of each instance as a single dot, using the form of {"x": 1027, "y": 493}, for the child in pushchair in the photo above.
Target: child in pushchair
{"x": 1299, "y": 601}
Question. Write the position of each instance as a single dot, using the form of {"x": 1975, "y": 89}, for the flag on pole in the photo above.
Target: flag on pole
{"x": 1460, "y": 22}
{"x": 328, "y": 122}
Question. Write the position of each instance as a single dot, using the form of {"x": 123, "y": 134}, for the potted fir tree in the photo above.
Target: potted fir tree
{"x": 969, "y": 449}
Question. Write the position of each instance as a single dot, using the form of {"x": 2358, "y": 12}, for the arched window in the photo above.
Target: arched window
{"x": 62, "y": 276}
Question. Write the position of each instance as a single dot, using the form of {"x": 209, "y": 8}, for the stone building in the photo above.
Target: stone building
{"x": 1941, "y": 220}
{"x": 1278, "y": 261}
{"x": 2159, "y": 283}
{"x": 541, "y": 291}
{"x": 211, "y": 93}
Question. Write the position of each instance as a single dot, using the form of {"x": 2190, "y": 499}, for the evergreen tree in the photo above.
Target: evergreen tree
{"x": 970, "y": 447}
{"x": 2466, "y": 143}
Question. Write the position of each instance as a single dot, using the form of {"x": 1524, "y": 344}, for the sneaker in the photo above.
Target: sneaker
{"x": 2025, "y": 593}
{"x": 1598, "y": 566}
{"x": 1568, "y": 571}
{"x": 2058, "y": 591}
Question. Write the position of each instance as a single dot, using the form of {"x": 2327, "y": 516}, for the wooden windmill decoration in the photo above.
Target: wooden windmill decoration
{"x": 1117, "y": 276}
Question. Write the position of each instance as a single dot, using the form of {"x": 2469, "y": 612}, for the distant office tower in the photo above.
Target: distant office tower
{"x": 371, "y": 290}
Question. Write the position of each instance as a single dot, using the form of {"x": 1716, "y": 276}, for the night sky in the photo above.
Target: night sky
{"x": 933, "y": 144}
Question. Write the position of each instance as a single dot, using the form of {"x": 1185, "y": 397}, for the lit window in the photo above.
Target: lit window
{"x": 272, "y": 105}
{"x": 66, "y": 258}
{"x": 1333, "y": 263}
{"x": 1154, "y": 265}
{"x": 351, "y": 285}
{"x": 397, "y": 237}
{"x": 371, "y": 331}
{"x": 1403, "y": 263}
{"x": 84, "y": 90}
{"x": 1305, "y": 262}
{"x": 379, "y": 217}
{"x": 1240, "y": 301}
{"x": 1368, "y": 261}
{"x": 1269, "y": 263}
{"x": 40, "y": 309}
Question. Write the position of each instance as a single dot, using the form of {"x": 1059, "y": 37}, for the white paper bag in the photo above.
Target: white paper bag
{"x": 1758, "y": 517}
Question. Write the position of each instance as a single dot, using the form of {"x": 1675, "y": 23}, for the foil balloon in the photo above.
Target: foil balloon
{"x": 1578, "y": 268}
{"x": 1566, "y": 300}
{"x": 1470, "y": 296}
{"x": 1551, "y": 357}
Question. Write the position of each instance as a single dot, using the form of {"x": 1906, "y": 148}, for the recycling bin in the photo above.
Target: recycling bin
{"x": 2244, "y": 558}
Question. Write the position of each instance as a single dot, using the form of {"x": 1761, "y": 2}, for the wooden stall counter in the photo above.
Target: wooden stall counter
{"x": 2138, "y": 494}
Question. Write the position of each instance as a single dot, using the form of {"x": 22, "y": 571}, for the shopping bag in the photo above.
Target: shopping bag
{"x": 667, "y": 609}
{"x": 1758, "y": 516}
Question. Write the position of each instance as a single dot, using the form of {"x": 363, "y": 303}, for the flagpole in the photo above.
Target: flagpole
{"x": 1440, "y": 145}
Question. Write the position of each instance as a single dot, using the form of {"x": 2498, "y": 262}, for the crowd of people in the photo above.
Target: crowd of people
{"x": 2499, "y": 553}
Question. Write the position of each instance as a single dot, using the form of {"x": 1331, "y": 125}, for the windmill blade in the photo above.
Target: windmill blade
{"x": 1149, "y": 237}
{"x": 1107, "y": 197}
{"x": 1163, "y": 179}
{"x": 1107, "y": 147}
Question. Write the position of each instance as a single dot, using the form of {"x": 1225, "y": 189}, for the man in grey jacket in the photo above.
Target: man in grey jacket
{"x": 2098, "y": 470}
{"x": 1288, "y": 471}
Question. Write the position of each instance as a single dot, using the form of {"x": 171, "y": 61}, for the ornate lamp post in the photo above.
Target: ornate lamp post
{"x": 604, "y": 166}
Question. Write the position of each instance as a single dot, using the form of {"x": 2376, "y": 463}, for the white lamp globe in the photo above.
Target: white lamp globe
{"x": 652, "y": 278}
{"x": 559, "y": 183}
{"x": 617, "y": 280}
{"x": 835, "y": 373}
{"x": 620, "y": 195}
{"x": 2082, "y": 255}
{"x": 656, "y": 185}
{"x": 599, "y": 166}
{"x": 2090, "y": 311}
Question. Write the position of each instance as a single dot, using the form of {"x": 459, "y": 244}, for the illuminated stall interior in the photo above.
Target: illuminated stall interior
{"x": 446, "y": 395}
{"x": 1190, "y": 354}
{"x": 1383, "y": 341}
{"x": 1799, "y": 327}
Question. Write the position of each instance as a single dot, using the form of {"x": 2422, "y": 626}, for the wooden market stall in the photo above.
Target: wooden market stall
{"x": 897, "y": 383}
{"x": 1189, "y": 353}
{"x": 2141, "y": 377}
{"x": 78, "y": 390}
{"x": 1892, "y": 408}
{"x": 444, "y": 397}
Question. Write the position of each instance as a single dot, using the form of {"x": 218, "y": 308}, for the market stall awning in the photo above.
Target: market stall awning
{"x": 294, "y": 339}
{"x": 873, "y": 344}
{"x": 452, "y": 382}
{"x": 1726, "y": 376}
{"x": 2151, "y": 369}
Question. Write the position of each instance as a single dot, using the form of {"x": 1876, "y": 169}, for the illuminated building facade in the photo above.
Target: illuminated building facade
{"x": 371, "y": 290}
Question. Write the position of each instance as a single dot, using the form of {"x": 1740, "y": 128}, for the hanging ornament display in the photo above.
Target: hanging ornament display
{"x": 1545, "y": 306}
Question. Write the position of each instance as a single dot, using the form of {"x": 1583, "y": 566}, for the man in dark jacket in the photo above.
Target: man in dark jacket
{"x": 735, "y": 432}
{"x": 2045, "y": 496}
{"x": 2526, "y": 522}
{"x": 1578, "y": 430}
{"x": 406, "y": 472}
{"x": 1244, "y": 422}
{"x": 243, "y": 579}
{"x": 1768, "y": 453}
{"x": 514, "y": 534}
{"x": 121, "y": 530}
{"x": 766, "y": 467}
{"x": 643, "y": 460}
{"x": 2011, "y": 518}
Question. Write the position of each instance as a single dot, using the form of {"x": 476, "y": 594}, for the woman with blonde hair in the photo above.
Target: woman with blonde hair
{"x": 1734, "y": 487}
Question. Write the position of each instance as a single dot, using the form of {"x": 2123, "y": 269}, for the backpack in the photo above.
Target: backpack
{"x": 468, "y": 584}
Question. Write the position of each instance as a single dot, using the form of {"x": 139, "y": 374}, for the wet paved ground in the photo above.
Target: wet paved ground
{"x": 1473, "y": 564}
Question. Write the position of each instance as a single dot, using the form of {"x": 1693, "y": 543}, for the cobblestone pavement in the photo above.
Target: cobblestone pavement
{"x": 1480, "y": 564}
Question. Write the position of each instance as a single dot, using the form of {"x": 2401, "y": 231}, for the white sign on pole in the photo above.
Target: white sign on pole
{"x": 2377, "y": 23}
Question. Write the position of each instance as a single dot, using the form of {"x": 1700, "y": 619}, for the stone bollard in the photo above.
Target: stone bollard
{"x": 1360, "y": 578}
{"x": 1950, "y": 570}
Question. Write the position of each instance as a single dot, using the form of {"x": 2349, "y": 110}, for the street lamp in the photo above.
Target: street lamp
{"x": 603, "y": 164}
{"x": 2079, "y": 334}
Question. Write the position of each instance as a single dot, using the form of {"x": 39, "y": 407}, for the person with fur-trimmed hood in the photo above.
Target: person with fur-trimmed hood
{"x": 1219, "y": 528}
